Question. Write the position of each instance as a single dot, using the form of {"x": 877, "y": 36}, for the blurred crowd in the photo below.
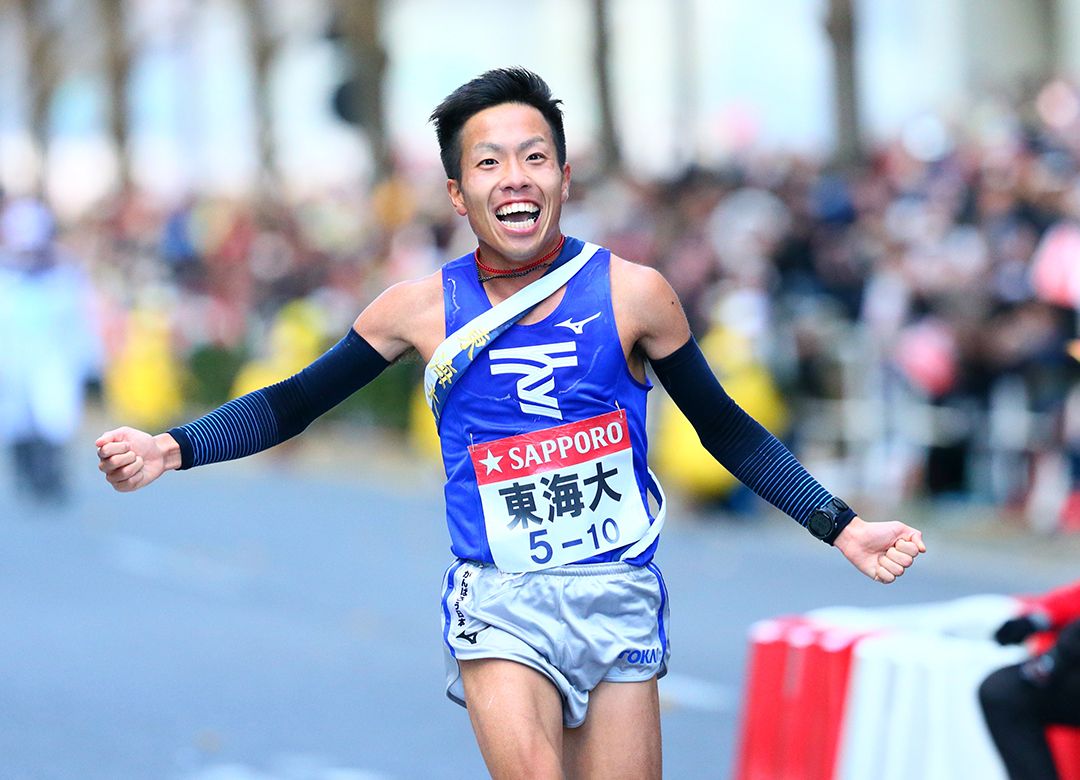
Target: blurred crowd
{"x": 912, "y": 320}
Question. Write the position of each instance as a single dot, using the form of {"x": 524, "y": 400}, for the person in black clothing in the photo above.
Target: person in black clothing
{"x": 1021, "y": 700}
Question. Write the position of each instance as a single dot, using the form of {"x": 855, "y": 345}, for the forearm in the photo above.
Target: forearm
{"x": 735, "y": 439}
{"x": 271, "y": 415}
{"x": 239, "y": 428}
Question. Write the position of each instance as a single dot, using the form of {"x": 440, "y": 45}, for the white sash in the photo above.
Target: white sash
{"x": 461, "y": 347}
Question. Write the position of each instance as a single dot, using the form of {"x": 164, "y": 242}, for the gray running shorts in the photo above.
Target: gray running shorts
{"x": 578, "y": 625}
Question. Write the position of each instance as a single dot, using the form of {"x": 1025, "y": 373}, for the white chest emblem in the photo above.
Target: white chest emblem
{"x": 577, "y": 327}
{"x": 537, "y": 365}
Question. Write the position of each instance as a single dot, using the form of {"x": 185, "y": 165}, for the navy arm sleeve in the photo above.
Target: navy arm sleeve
{"x": 263, "y": 418}
{"x": 741, "y": 445}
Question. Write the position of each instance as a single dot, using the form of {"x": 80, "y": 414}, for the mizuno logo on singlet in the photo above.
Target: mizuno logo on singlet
{"x": 577, "y": 327}
{"x": 537, "y": 364}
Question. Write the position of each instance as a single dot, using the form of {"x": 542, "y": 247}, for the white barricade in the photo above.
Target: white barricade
{"x": 912, "y": 708}
{"x": 888, "y": 693}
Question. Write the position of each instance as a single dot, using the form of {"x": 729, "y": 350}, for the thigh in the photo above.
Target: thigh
{"x": 1063, "y": 700}
{"x": 516, "y": 714}
{"x": 621, "y": 734}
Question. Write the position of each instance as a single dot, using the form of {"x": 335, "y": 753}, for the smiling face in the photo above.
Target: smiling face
{"x": 512, "y": 187}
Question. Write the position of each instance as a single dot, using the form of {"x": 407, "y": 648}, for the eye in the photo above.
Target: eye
{"x": 536, "y": 156}
{"x": 487, "y": 162}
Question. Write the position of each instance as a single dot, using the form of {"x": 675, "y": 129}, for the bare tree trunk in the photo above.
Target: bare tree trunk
{"x": 1050, "y": 16}
{"x": 264, "y": 47}
{"x": 360, "y": 28}
{"x": 685, "y": 86}
{"x": 118, "y": 68}
{"x": 841, "y": 28}
{"x": 610, "y": 150}
{"x": 44, "y": 76}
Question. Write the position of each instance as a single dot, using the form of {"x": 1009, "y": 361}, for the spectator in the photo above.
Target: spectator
{"x": 51, "y": 348}
{"x": 1020, "y": 701}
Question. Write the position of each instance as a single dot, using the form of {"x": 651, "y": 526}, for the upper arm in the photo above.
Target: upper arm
{"x": 649, "y": 315}
{"x": 407, "y": 315}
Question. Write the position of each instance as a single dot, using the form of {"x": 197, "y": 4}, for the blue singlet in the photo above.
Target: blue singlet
{"x": 566, "y": 368}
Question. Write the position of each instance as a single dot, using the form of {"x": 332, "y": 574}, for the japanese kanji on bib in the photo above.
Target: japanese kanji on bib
{"x": 556, "y": 495}
{"x": 543, "y": 433}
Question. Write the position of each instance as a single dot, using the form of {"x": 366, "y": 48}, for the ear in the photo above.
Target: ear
{"x": 565, "y": 182}
{"x": 457, "y": 200}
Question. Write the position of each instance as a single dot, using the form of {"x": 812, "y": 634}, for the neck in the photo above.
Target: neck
{"x": 487, "y": 273}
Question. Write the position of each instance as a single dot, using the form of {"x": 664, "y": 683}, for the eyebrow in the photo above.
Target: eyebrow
{"x": 490, "y": 146}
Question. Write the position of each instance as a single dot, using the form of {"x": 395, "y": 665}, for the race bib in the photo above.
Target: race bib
{"x": 560, "y": 495}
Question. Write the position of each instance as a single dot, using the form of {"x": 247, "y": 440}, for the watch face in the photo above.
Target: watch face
{"x": 820, "y": 524}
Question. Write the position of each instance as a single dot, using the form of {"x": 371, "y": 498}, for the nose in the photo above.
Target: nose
{"x": 514, "y": 175}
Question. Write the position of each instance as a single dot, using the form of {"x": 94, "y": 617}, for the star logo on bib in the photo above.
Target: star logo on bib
{"x": 491, "y": 462}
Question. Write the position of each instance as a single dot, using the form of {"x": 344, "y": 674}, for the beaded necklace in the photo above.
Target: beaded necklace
{"x": 485, "y": 273}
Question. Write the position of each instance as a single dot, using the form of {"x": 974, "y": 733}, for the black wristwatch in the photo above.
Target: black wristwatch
{"x": 827, "y": 521}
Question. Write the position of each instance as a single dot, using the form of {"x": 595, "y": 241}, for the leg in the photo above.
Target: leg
{"x": 48, "y": 471}
{"x": 21, "y": 454}
{"x": 1016, "y": 722}
{"x": 1063, "y": 700}
{"x": 620, "y": 737}
{"x": 516, "y": 713}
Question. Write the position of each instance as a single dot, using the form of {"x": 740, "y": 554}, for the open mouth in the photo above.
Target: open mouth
{"x": 518, "y": 216}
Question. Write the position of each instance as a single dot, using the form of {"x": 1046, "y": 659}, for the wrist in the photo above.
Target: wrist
{"x": 849, "y": 536}
{"x": 169, "y": 449}
{"x": 829, "y": 521}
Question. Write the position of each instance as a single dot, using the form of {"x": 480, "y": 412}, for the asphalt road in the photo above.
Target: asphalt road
{"x": 278, "y": 618}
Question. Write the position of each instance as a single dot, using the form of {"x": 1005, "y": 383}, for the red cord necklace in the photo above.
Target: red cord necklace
{"x": 485, "y": 273}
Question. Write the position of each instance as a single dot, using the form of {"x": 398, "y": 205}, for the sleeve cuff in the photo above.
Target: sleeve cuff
{"x": 187, "y": 453}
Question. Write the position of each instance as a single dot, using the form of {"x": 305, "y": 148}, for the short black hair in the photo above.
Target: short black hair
{"x": 502, "y": 85}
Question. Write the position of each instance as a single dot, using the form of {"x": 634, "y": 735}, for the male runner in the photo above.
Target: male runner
{"x": 555, "y": 617}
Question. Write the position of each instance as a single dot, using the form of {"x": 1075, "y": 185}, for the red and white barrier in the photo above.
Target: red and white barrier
{"x": 796, "y": 690}
{"x": 846, "y": 694}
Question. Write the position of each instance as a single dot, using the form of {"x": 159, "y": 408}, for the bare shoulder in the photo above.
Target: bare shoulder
{"x": 637, "y": 281}
{"x": 407, "y": 315}
{"x": 647, "y": 308}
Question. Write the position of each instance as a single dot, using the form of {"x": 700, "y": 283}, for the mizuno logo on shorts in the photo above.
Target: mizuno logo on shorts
{"x": 470, "y": 636}
{"x": 537, "y": 365}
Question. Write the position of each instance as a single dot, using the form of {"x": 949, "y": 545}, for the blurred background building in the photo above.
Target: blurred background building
{"x": 869, "y": 207}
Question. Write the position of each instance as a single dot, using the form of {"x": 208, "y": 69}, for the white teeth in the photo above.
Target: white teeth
{"x": 515, "y": 208}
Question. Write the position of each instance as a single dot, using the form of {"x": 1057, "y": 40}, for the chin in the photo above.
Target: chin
{"x": 518, "y": 247}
